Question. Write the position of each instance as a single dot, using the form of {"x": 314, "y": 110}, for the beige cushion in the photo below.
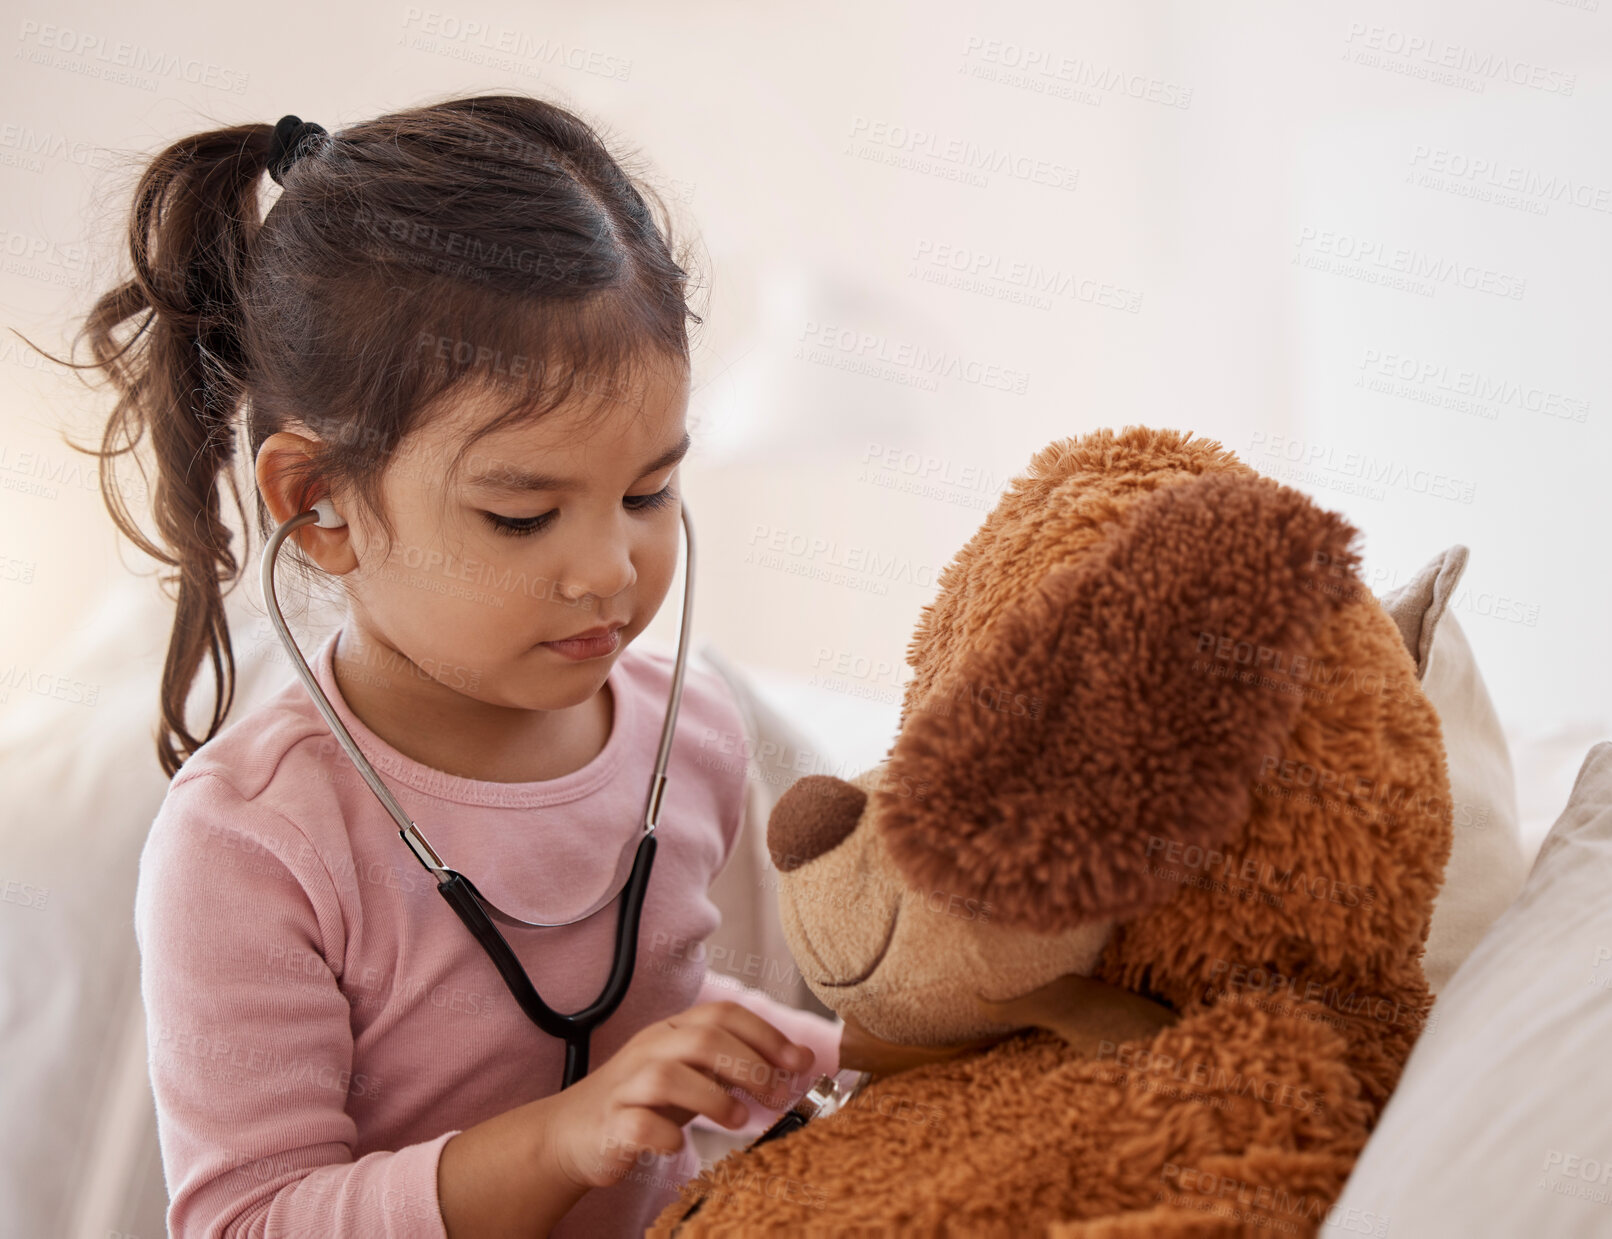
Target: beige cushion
{"x": 1487, "y": 864}
{"x": 1502, "y": 1121}
{"x": 750, "y": 945}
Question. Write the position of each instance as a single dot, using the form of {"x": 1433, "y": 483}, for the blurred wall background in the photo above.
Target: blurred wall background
{"x": 1364, "y": 245}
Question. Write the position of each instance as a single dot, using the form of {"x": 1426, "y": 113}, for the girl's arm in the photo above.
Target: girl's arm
{"x": 502, "y": 1176}
{"x": 250, "y": 1044}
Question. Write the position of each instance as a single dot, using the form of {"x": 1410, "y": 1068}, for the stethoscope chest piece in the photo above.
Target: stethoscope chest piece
{"x": 826, "y": 1095}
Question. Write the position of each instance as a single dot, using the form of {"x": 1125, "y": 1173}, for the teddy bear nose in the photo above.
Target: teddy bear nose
{"x": 813, "y": 817}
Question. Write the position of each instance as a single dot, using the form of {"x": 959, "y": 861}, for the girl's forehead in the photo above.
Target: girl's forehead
{"x": 564, "y": 449}
{"x": 569, "y": 469}
{"x": 594, "y": 420}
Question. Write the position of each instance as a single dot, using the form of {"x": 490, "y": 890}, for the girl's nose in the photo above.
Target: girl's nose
{"x": 601, "y": 578}
{"x": 813, "y": 817}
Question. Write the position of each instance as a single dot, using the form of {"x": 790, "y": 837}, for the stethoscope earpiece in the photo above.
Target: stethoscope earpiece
{"x": 329, "y": 518}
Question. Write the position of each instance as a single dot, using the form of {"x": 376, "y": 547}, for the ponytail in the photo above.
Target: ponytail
{"x": 179, "y": 378}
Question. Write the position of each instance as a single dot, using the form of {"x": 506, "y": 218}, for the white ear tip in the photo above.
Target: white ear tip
{"x": 329, "y": 518}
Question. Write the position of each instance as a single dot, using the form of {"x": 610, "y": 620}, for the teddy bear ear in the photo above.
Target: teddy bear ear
{"x": 1127, "y": 699}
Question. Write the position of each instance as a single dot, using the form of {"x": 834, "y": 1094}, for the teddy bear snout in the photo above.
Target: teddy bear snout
{"x": 813, "y": 817}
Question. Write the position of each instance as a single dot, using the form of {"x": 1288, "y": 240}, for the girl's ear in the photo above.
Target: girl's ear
{"x": 1126, "y": 700}
{"x": 282, "y": 469}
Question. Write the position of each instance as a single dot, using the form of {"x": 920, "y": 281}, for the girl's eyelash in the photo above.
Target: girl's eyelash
{"x": 654, "y": 500}
{"x": 517, "y": 526}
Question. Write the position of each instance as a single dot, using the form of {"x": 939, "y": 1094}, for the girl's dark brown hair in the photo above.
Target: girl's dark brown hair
{"x": 490, "y": 239}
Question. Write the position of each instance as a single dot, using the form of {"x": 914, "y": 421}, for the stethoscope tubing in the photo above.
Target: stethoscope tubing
{"x": 477, "y": 912}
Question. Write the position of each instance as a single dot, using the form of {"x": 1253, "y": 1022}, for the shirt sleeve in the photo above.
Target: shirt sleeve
{"x": 249, "y": 1040}
{"x": 808, "y": 1028}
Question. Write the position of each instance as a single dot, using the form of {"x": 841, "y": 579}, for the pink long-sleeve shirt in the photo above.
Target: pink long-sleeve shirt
{"x": 319, "y": 1021}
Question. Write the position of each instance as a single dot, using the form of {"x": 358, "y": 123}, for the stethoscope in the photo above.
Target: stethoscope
{"x": 474, "y": 908}
{"x": 826, "y": 1096}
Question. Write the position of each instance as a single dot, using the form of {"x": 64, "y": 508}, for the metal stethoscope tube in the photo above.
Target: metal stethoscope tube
{"x": 631, "y": 877}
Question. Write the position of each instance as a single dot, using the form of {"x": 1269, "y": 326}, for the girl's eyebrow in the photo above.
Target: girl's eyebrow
{"x": 511, "y": 477}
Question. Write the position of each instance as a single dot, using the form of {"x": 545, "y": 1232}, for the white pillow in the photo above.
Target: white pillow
{"x": 1502, "y": 1122}
{"x": 1487, "y": 864}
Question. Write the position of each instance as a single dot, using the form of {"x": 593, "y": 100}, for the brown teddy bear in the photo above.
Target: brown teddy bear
{"x": 1127, "y": 925}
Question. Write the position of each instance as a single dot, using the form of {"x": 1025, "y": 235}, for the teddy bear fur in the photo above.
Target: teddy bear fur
{"x": 1233, "y": 765}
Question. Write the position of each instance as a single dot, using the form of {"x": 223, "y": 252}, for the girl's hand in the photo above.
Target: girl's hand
{"x": 687, "y": 1064}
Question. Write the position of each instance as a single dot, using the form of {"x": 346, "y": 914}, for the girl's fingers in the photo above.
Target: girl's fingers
{"x": 636, "y": 1129}
{"x": 765, "y": 1039}
{"x": 715, "y": 1050}
{"x": 674, "y": 1089}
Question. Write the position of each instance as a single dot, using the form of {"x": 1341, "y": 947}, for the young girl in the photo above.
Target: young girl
{"x": 462, "y": 325}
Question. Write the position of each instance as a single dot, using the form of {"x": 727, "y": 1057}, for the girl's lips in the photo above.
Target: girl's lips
{"x": 579, "y": 648}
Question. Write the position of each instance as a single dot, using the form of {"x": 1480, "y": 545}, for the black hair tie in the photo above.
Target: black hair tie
{"x": 293, "y": 138}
